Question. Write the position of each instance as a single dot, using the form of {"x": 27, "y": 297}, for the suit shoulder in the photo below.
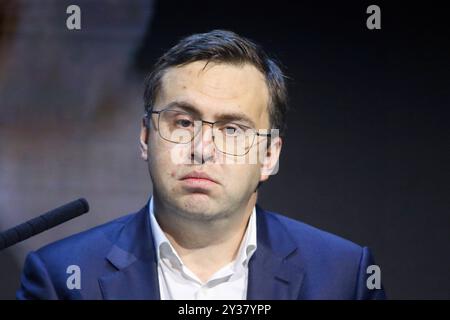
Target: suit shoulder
{"x": 334, "y": 267}
{"x": 87, "y": 242}
{"x": 306, "y": 235}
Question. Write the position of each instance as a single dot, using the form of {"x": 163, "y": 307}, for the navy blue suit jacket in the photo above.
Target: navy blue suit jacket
{"x": 117, "y": 260}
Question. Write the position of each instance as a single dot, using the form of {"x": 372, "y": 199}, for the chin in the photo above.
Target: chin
{"x": 200, "y": 207}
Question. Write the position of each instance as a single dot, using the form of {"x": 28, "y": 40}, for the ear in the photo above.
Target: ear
{"x": 270, "y": 161}
{"x": 143, "y": 141}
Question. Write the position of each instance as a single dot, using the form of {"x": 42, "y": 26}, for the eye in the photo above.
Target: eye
{"x": 232, "y": 130}
{"x": 183, "y": 123}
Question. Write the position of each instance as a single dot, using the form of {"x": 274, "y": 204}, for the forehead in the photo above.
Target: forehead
{"x": 217, "y": 88}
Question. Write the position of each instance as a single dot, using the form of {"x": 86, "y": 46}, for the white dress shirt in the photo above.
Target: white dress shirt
{"x": 177, "y": 282}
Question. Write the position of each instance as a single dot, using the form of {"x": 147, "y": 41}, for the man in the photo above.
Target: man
{"x": 211, "y": 101}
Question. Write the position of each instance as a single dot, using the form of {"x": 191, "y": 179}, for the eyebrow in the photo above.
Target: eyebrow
{"x": 230, "y": 116}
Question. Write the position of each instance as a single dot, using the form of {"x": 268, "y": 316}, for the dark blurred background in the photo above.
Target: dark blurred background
{"x": 367, "y": 149}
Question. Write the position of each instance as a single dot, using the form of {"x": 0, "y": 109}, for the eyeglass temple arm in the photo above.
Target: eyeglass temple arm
{"x": 147, "y": 113}
{"x": 147, "y": 116}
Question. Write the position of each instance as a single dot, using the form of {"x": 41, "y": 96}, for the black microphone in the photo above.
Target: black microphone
{"x": 43, "y": 222}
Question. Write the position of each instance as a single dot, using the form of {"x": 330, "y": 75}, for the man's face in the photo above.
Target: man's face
{"x": 214, "y": 92}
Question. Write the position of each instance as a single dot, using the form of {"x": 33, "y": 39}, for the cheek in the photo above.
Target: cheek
{"x": 160, "y": 163}
{"x": 241, "y": 176}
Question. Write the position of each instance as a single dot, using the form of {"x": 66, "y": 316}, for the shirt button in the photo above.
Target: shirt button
{"x": 202, "y": 293}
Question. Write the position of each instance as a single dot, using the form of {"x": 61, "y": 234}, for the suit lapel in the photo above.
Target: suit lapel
{"x": 273, "y": 270}
{"x": 274, "y": 273}
{"x": 133, "y": 257}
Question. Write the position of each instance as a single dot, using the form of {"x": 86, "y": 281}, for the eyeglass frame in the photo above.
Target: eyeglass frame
{"x": 158, "y": 112}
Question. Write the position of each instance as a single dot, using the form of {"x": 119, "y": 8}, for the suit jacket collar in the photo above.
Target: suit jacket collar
{"x": 273, "y": 270}
{"x": 133, "y": 257}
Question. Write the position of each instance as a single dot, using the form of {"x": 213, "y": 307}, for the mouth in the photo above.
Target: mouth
{"x": 199, "y": 180}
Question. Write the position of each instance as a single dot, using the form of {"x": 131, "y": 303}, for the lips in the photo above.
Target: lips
{"x": 198, "y": 176}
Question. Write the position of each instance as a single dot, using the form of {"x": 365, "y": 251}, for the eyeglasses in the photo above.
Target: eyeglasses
{"x": 229, "y": 137}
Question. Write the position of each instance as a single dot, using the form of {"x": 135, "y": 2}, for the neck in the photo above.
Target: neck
{"x": 205, "y": 245}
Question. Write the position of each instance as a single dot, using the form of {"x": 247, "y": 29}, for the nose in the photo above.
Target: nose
{"x": 203, "y": 148}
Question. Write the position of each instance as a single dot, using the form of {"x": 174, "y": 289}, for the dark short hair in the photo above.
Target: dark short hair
{"x": 223, "y": 47}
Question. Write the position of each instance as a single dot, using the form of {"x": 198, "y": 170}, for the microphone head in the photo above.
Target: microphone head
{"x": 84, "y": 204}
{"x": 43, "y": 222}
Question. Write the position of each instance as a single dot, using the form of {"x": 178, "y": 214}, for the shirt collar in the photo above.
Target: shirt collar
{"x": 164, "y": 248}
